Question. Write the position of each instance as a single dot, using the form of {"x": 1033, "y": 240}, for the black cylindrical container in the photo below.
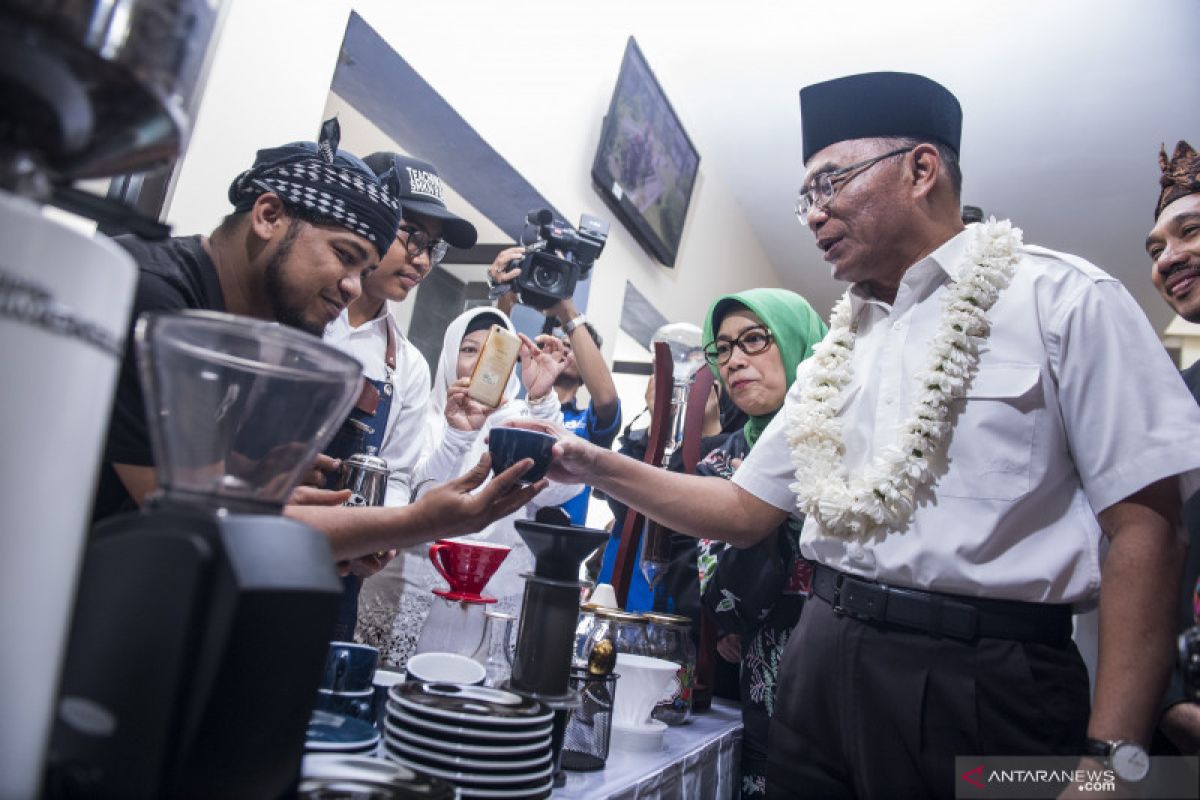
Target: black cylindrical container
{"x": 546, "y": 636}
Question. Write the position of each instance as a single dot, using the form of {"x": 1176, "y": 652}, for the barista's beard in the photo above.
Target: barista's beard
{"x": 283, "y": 306}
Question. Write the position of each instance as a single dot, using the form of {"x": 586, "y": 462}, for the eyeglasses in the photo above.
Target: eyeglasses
{"x": 826, "y": 185}
{"x": 419, "y": 241}
{"x": 751, "y": 341}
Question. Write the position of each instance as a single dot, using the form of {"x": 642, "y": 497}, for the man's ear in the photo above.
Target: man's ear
{"x": 268, "y": 217}
{"x": 927, "y": 166}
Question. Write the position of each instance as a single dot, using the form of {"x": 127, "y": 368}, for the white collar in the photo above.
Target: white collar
{"x": 946, "y": 261}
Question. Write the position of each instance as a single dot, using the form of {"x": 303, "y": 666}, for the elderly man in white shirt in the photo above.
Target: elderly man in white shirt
{"x": 980, "y": 412}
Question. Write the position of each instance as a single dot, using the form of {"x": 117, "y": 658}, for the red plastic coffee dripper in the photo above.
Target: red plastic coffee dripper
{"x": 467, "y": 567}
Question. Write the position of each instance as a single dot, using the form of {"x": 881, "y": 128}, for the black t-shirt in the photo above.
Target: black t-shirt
{"x": 173, "y": 275}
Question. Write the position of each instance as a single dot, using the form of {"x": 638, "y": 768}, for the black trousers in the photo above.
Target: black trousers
{"x": 873, "y": 712}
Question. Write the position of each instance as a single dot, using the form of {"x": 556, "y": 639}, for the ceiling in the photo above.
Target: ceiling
{"x": 1065, "y": 104}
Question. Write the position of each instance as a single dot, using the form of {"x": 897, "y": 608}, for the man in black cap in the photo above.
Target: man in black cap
{"x": 389, "y": 418}
{"x": 1174, "y": 249}
{"x": 309, "y": 222}
{"x": 979, "y": 413}
{"x": 368, "y": 331}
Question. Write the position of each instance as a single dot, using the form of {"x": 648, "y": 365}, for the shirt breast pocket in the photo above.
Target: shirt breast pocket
{"x": 991, "y": 447}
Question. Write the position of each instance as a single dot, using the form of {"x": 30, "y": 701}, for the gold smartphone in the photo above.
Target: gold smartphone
{"x": 495, "y": 365}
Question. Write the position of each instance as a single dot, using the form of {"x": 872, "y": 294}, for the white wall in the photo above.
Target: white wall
{"x": 533, "y": 78}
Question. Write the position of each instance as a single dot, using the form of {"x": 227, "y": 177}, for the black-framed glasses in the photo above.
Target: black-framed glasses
{"x": 751, "y": 341}
{"x": 418, "y": 241}
{"x": 827, "y": 184}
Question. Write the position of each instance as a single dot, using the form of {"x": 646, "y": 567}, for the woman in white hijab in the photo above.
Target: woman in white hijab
{"x": 539, "y": 368}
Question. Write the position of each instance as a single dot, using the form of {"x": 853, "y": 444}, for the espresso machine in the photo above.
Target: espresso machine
{"x": 202, "y": 621}
{"x": 88, "y": 89}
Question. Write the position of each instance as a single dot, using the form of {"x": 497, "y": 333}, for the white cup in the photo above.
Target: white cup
{"x": 445, "y": 668}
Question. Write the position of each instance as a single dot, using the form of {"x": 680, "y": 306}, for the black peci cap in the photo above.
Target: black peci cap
{"x": 878, "y": 104}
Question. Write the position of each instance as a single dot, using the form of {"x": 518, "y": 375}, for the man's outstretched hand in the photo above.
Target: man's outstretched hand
{"x": 454, "y": 509}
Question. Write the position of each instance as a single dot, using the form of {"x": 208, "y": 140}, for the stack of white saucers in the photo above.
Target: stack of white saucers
{"x": 335, "y": 733}
{"x": 488, "y": 742}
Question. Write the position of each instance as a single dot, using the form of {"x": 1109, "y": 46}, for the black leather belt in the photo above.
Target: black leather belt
{"x": 936, "y": 614}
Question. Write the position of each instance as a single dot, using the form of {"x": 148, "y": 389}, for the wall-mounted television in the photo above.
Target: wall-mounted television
{"x": 645, "y": 166}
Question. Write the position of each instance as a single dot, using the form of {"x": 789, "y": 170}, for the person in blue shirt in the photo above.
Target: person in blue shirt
{"x": 600, "y": 421}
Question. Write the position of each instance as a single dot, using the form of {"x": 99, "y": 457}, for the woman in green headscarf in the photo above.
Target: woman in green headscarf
{"x": 755, "y": 339}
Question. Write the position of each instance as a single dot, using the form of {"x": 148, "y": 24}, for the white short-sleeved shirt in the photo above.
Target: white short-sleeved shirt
{"x": 1075, "y": 406}
{"x": 408, "y": 442}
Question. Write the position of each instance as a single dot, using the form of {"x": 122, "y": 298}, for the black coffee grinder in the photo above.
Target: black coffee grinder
{"x": 201, "y": 623}
{"x": 88, "y": 89}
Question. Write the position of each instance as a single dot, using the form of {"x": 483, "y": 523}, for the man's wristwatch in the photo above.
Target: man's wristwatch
{"x": 1128, "y": 760}
{"x": 570, "y": 325}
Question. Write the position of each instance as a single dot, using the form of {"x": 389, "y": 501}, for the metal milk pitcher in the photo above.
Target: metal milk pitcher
{"x": 366, "y": 476}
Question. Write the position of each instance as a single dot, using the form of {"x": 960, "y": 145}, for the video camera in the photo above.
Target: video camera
{"x": 558, "y": 258}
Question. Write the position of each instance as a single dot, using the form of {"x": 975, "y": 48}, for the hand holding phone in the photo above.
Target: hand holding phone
{"x": 494, "y": 367}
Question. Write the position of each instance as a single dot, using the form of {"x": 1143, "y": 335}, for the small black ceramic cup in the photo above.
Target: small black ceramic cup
{"x": 383, "y": 682}
{"x": 510, "y": 445}
{"x": 349, "y": 667}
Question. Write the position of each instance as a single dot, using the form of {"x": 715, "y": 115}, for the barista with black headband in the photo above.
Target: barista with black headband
{"x": 979, "y": 414}
{"x": 309, "y": 221}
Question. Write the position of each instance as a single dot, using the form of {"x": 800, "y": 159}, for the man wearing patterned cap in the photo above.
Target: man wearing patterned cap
{"x": 309, "y": 222}
{"x": 980, "y": 412}
{"x": 1174, "y": 248}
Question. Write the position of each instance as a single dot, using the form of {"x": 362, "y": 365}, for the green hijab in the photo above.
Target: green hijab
{"x": 791, "y": 320}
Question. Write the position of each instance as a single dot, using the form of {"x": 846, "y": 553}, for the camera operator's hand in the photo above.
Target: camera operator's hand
{"x": 541, "y": 364}
{"x": 499, "y": 273}
{"x": 463, "y": 413}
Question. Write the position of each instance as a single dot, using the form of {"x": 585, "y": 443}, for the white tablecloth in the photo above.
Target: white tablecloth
{"x": 698, "y": 760}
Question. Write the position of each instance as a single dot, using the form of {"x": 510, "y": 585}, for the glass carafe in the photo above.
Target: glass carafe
{"x": 496, "y": 650}
{"x": 454, "y": 626}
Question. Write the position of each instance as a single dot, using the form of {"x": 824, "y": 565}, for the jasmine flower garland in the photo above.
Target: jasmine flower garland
{"x": 882, "y": 493}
